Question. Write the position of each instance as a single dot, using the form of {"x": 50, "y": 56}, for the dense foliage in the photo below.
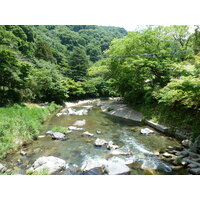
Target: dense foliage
{"x": 160, "y": 65}
{"x": 51, "y": 63}
{"x": 150, "y": 61}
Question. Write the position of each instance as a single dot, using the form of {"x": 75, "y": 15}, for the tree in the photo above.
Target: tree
{"x": 196, "y": 40}
{"x": 43, "y": 51}
{"x": 47, "y": 83}
{"x": 94, "y": 52}
{"x": 78, "y": 62}
{"x": 151, "y": 68}
{"x": 13, "y": 77}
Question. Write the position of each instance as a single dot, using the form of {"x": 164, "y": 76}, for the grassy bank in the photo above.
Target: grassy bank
{"x": 175, "y": 118}
{"x": 19, "y": 124}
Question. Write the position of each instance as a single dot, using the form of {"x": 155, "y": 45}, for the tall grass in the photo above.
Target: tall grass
{"x": 21, "y": 123}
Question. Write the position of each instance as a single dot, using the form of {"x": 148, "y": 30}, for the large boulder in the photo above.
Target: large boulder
{"x": 92, "y": 164}
{"x": 112, "y": 166}
{"x": 2, "y": 168}
{"x": 116, "y": 166}
{"x": 50, "y": 163}
{"x": 100, "y": 142}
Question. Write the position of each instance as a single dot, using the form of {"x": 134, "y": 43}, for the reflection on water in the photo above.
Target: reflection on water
{"x": 78, "y": 148}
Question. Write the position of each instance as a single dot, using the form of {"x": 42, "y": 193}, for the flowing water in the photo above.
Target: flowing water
{"x": 77, "y": 149}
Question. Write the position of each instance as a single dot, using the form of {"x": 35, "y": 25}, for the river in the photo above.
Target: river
{"x": 78, "y": 149}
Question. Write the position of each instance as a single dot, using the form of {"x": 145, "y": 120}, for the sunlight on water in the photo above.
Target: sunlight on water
{"x": 78, "y": 150}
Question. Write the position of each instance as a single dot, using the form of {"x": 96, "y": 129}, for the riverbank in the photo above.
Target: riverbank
{"x": 20, "y": 124}
{"x": 187, "y": 154}
{"x": 182, "y": 124}
{"x": 170, "y": 122}
{"x": 120, "y": 109}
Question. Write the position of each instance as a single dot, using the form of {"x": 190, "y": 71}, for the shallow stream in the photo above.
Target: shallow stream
{"x": 77, "y": 149}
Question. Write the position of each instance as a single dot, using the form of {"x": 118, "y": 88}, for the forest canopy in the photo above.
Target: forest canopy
{"x": 51, "y": 63}
{"x": 55, "y": 63}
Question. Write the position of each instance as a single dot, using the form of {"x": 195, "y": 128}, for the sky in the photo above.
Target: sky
{"x": 128, "y": 27}
{"x": 126, "y": 13}
{"x": 131, "y": 27}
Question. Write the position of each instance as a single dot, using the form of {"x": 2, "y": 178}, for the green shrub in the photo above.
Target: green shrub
{"x": 40, "y": 172}
{"x": 59, "y": 129}
{"x": 183, "y": 92}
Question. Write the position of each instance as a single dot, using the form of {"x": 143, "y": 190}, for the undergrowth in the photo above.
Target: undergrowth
{"x": 21, "y": 123}
{"x": 39, "y": 172}
{"x": 60, "y": 129}
{"x": 175, "y": 118}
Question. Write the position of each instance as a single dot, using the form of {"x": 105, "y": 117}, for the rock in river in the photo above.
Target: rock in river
{"x": 80, "y": 123}
{"x": 112, "y": 146}
{"x": 92, "y": 164}
{"x": 186, "y": 143}
{"x": 119, "y": 152}
{"x": 56, "y": 135}
{"x": 50, "y": 163}
{"x": 146, "y": 131}
{"x": 74, "y": 128}
{"x": 195, "y": 171}
{"x": 2, "y": 168}
{"x": 99, "y": 132}
{"x": 116, "y": 166}
{"x": 86, "y": 133}
{"x": 23, "y": 153}
{"x": 58, "y": 114}
{"x": 100, "y": 142}
{"x": 71, "y": 111}
{"x": 49, "y": 133}
{"x": 167, "y": 155}
{"x": 112, "y": 166}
